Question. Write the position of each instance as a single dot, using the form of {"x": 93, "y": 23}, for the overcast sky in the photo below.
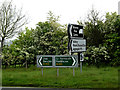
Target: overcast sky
{"x": 69, "y": 10}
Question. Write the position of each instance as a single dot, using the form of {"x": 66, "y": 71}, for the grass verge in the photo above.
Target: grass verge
{"x": 91, "y": 77}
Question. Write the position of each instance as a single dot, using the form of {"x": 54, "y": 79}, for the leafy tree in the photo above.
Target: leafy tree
{"x": 97, "y": 56}
{"x": 112, "y": 37}
{"x": 10, "y": 55}
{"x": 93, "y": 29}
{"x": 105, "y": 33}
{"x": 111, "y": 32}
{"x": 25, "y": 42}
{"x": 51, "y": 37}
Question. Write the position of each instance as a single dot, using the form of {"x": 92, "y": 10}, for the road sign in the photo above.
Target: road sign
{"x": 78, "y": 45}
{"x": 57, "y": 61}
{"x": 44, "y": 61}
{"x": 65, "y": 61}
{"x": 81, "y": 57}
{"x": 75, "y": 31}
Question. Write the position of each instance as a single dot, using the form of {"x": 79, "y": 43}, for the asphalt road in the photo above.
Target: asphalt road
{"x": 25, "y": 88}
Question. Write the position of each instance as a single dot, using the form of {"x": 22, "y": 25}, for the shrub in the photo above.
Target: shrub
{"x": 97, "y": 56}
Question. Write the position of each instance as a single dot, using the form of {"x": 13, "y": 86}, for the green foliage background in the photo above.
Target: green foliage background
{"x": 50, "y": 38}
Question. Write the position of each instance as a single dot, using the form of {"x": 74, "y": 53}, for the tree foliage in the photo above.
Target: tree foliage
{"x": 97, "y": 56}
{"x": 11, "y": 20}
{"x": 107, "y": 35}
{"x": 112, "y": 37}
{"x": 50, "y": 38}
{"x": 93, "y": 30}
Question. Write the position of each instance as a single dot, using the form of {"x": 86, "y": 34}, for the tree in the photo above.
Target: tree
{"x": 111, "y": 32}
{"x": 93, "y": 30}
{"x": 51, "y": 36}
{"x": 11, "y": 20}
{"x": 25, "y": 43}
{"x": 112, "y": 37}
{"x": 48, "y": 38}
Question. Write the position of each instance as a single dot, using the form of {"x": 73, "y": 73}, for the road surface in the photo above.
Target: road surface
{"x": 28, "y": 88}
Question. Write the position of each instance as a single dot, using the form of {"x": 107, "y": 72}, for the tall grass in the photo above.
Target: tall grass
{"x": 91, "y": 77}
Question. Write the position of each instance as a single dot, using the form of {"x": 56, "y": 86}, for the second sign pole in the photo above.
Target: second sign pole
{"x": 42, "y": 71}
{"x": 57, "y": 72}
{"x": 79, "y": 63}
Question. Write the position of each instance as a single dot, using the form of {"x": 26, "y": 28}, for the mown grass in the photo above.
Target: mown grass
{"x": 91, "y": 77}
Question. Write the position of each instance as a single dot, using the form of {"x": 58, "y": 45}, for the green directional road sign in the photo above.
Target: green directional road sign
{"x": 57, "y": 61}
{"x": 65, "y": 61}
{"x": 44, "y": 61}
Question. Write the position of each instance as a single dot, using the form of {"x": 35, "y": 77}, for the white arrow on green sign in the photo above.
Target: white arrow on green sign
{"x": 45, "y": 61}
{"x": 57, "y": 61}
{"x": 65, "y": 61}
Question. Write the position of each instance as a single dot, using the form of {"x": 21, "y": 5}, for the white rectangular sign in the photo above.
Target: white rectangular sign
{"x": 78, "y": 45}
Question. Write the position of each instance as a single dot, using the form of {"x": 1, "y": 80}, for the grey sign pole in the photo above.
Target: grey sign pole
{"x": 80, "y": 66}
{"x": 80, "y": 62}
{"x": 42, "y": 70}
{"x": 76, "y": 42}
{"x": 73, "y": 67}
{"x": 81, "y": 59}
{"x": 57, "y": 72}
{"x": 78, "y": 59}
{"x": 73, "y": 72}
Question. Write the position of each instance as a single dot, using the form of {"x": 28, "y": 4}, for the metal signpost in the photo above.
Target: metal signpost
{"x": 65, "y": 61}
{"x": 57, "y": 61}
{"x": 81, "y": 60}
{"x": 76, "y": 42}
{"x": 78, "y": 45}
{"x": 44, "y": 61}
{"x": 75, "y": 31}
